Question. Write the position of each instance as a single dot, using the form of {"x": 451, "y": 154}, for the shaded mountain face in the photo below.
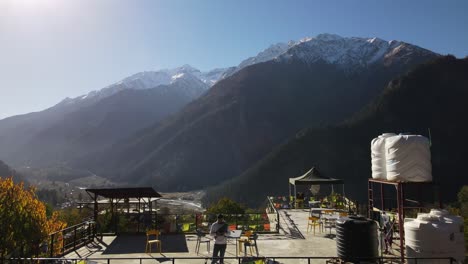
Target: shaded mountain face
{"x": 28, "y": 139}
{"x": 433, "y": 96}
{"x": 6, "y": 171}
{"x": 77, "y": 131}
{"x": 244, "y": 116}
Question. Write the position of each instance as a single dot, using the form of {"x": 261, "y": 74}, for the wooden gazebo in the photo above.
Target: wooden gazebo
{"x": 143, "y": 195}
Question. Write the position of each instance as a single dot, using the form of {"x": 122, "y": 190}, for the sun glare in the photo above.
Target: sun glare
{"x": 32, "y": 6}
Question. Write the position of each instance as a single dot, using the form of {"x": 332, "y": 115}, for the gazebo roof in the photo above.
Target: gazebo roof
{"x": 122, "y": 193}
{"x": 313, "y": 177}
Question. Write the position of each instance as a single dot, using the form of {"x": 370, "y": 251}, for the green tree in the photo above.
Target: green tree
{"x": 73, "y": 216}
{"x": 463, "y": 203}
{"x": 24, "y": 223}
{"x": 226, "y": 206}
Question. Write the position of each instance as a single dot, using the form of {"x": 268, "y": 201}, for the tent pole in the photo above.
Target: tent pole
{"x": 295, "y": 194}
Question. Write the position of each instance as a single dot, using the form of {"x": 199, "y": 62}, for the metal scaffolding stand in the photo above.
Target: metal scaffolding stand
{"x": 401, "y": 187}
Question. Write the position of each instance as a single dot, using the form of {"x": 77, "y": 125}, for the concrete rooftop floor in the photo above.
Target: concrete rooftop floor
{"x": 292, "y": 241}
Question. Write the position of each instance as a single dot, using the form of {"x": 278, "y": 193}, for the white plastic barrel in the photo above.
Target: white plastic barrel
{"x": 379, "y": 163}
{"x": 408, "y": 158}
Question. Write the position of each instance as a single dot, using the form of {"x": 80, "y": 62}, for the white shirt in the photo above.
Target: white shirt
{"x": 219, "y": 238}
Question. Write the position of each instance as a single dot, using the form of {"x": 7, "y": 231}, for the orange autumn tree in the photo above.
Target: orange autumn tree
{"x": 24, "y": 224}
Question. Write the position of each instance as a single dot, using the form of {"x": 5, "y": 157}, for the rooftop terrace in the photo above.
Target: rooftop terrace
{"x": 292, "y": 241}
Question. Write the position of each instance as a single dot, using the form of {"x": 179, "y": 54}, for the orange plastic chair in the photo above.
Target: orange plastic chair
{"x": 343, "y": 214}
{"x": 328, "y": 212}
{"x": 313, "y": 222}
{"x": 150, "y": 242}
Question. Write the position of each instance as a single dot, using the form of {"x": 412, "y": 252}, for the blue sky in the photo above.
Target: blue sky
{"x": 52, "y": 49}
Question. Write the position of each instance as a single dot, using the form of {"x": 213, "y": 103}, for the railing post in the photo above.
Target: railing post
{"x": 277, "y": 222}
{"x": 74, "y": 238}
{"x": 88, "y": 238}
{"x": 63, "y": 243}
{"x": 51, "y": 245}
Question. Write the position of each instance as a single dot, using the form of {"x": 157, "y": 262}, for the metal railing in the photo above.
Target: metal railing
{"x": 267, "y": 260}
{"x": 182, "y": 223}
{"x": 273, "y": 213}
{"x": 70, "y": 238}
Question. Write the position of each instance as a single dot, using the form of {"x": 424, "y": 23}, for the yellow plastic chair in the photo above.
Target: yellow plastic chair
{"x": 244, "y": 238}
{"x": 251, "y": 243}
{"x": 185, "y": 227}
{"x": 150, "y": 241}
{"x": 312, "y": 223}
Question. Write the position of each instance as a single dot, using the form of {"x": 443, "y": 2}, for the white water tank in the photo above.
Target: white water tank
{"x": 408, "y": 158}
{"x": 379, "y": 163}
{"x": 435, "y": 235}
{"x": 455, "y": 224}
{"x": 427, "y": 237}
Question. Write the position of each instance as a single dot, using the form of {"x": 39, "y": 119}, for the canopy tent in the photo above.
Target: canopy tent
{"x": 312, "y": 177}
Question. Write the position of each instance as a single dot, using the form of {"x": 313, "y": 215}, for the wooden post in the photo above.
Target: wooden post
{"x": 138, "y": 227}
{"x": 95, "y": 211}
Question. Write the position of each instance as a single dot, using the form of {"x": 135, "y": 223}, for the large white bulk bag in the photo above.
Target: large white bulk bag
{"x": 427, "y": 237}
{"x": 408, "y": 158}
{"x": 456, "y": 227}
{"x": 379, "y": 163}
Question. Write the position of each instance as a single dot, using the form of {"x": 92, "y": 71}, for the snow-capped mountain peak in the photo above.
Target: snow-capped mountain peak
{"x": 351, "y": 53}
{"x": 185, "y": 75}
{"x": 268, "y": 54}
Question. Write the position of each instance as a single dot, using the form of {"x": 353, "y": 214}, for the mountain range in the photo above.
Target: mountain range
{"x": 245, "y": 115}
{"x": 428, "y": 100}
{"x": 184, "y": 129}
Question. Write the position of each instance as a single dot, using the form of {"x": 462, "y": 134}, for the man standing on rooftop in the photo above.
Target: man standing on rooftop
{"x": 219, "y": 231}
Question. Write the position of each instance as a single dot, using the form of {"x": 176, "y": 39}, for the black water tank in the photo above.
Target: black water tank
{"x": 356, "y": 238}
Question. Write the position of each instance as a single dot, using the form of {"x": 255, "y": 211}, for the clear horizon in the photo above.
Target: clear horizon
{"x": 53, "y": 49}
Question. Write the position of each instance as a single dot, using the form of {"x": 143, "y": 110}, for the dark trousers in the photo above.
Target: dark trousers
{"x": 221, "y": 249}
